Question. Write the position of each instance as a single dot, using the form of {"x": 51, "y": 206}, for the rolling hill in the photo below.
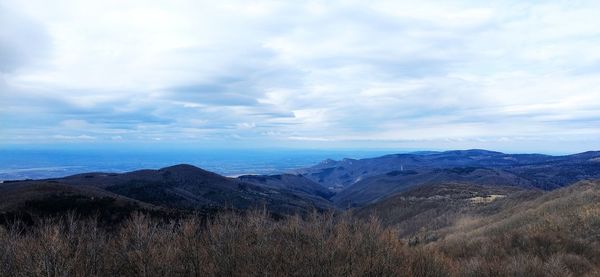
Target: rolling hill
{"x": 378, "y": 187}
{"x": 539, "y": 170}
{"x": 457, "y": 213}
{"x": 364, "y": 181}
{"x": 370, "y": 183}
{"x": 427, "y": 209}
{"x": 34, "y": 200}
{"x": 179, "y": 187}
{"x": 556, "y": 234}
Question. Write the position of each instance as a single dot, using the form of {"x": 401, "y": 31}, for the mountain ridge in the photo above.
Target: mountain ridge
{"x": 526, "y": 170}
{"x": 184, "y": 186}
{"x": 329, "y": 185}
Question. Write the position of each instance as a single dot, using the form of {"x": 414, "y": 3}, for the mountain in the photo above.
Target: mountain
{"x": 433, "y": 207}
{"x": 500, "y": 231}
{"x": 294, "y": 182}
{"x": 181, "y": 187}
{"x": 375, "y": 188}
{"x": 32, "y": 200}
{"x": 359, "y": 182}
{"x": 349, "y": 183}
{"x": 340, "y": 174}
{"x": 455, "y": 213}
{"x": 573, "y": 211}
{"x": 464, "y": 215}
{"x": 556, "y": 234}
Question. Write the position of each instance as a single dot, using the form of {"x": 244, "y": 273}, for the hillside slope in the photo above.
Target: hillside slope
{"x": 541, "y": 171}
{"x": 556, "y": 234}
{"x": 32, "y": 200}
{"x": 189, "y": 187}
{"x": 572, "y": 210}
{"x": 428, "y": 209}
{"x": 375, "y": 188}
{"x": 292, "y": 182}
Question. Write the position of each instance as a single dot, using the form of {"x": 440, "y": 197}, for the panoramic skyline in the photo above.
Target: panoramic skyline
{"x": 505, "y": 75}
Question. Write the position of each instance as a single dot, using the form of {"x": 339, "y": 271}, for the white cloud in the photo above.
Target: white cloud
{"x": 302, "y": 71}
{"x": 75, "y": 124}
{"x": 310, "y": 138}
{"x": 79, "y": 137}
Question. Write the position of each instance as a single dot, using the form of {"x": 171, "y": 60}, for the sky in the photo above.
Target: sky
{"x": 520, "y": 76}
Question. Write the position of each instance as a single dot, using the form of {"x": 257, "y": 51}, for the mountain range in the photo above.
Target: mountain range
{"x": 170, "y": 190}
{"x": 421, "y": 190}
{"x": 359, "y": 182}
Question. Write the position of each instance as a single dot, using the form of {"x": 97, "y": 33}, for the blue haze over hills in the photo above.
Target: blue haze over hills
{"x": 36, "y": 163}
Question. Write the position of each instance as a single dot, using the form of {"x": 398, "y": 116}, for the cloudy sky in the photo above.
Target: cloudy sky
{"x": 504, "y": 75}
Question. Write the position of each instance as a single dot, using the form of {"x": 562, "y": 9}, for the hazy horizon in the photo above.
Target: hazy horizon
{"x": 39, "y": 162}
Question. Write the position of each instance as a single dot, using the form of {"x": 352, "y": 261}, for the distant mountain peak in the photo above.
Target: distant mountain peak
{"x": 327, "y": 161}
{"x": 188, "y": 170}
{"x": 185, "y": 168}
{"x": 423, "y": 153}
{"x": 181, "y": 167}
{"x": 475, "y": 152}
{"x": 587, "y": 154}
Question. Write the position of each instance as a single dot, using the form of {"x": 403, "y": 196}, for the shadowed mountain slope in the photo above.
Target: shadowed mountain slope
{"x": 375, "y": 188}
{"x": 29, "y": 200}
{"x": 189, "y": 187}
{"x": 360, "y": 182}
{"x": 295, "y": 182}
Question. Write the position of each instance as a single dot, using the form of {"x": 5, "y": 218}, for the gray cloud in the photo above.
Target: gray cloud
{"x": 300, "y": 73}
{"x": 22, "y": 40}
{"x": 214, "y": 94}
